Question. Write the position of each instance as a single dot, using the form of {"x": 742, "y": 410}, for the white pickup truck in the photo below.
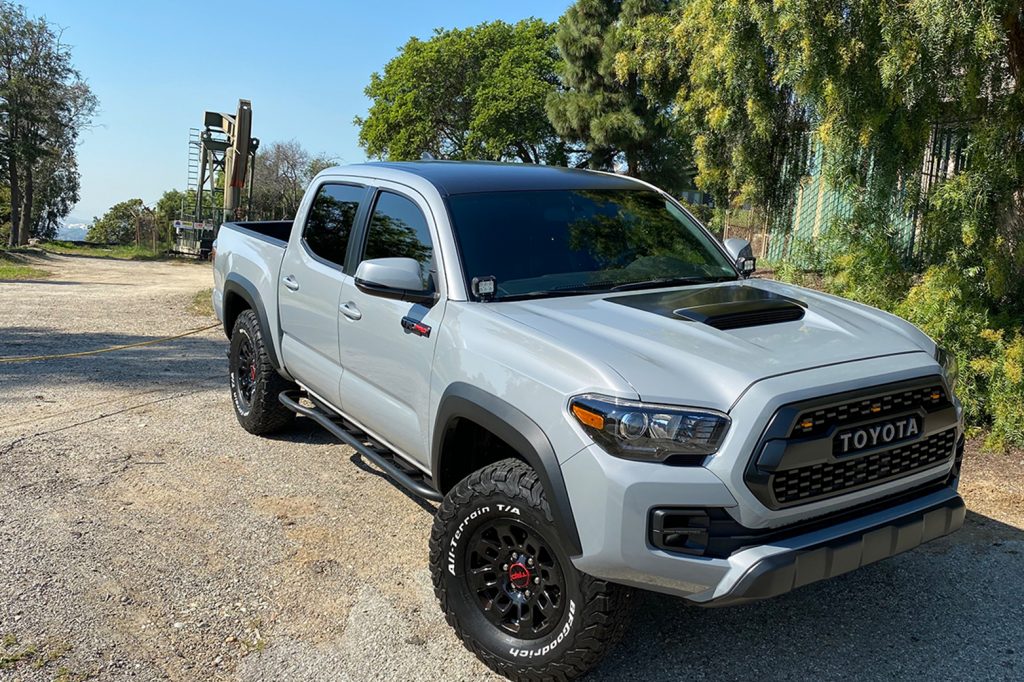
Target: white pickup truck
{"x": 593, "y": 390}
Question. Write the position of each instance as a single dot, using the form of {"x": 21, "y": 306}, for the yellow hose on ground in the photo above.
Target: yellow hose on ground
{"x": 62, "y": 356}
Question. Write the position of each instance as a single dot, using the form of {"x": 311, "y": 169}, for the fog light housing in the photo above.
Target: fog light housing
{"x": 680, "y": 530}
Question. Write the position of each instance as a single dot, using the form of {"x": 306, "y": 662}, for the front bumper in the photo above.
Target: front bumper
{"x": 613, "y": 501}
{"x": 613, "y": 510}
{"x": 775, "y": 574}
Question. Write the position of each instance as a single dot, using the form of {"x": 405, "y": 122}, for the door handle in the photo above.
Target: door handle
{"x": 291, "y": 283}
{"x": 350, "y": 311}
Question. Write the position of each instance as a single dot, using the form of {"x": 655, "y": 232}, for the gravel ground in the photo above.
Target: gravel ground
{"x": 144, "y": 535}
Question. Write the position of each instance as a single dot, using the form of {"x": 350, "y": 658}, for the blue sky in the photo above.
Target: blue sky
{"x": 157, "y": 66}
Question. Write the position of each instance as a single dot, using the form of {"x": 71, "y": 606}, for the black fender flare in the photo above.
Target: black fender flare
{"x": 235, "y": 284}
{"x": 461, "y": 400}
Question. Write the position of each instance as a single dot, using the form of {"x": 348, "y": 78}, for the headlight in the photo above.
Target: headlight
{"x": 643, "y": 431}
{"x": 949, "y": 366}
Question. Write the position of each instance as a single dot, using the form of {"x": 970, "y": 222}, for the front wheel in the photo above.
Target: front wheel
{"x": 507, "y": 586}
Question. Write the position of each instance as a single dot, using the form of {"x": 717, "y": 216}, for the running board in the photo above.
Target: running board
{"x": 413, "y": 481}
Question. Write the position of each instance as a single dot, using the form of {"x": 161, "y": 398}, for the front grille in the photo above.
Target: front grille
{"x": 832, "y": 478}
{"x": 818, "y": 421}
{"x": 797, "y": 459}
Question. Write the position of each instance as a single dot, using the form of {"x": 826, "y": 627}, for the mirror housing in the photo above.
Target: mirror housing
{"x": 742, "y": 255}
{"x": 397, "y": 278}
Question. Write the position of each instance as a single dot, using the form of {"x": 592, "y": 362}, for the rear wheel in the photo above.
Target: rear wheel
{"x": 507, "y": 586}
{"x": 255, "y": 383}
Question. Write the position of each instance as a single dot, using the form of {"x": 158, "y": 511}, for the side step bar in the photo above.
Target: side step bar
{"x": 411, "y": 480}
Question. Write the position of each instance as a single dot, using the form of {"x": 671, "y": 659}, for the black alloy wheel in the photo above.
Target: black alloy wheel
{"x": 245, "y": 372}
{"x": 516, "y": 578}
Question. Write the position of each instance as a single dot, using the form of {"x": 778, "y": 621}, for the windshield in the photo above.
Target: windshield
{"x": 561, "y": 242}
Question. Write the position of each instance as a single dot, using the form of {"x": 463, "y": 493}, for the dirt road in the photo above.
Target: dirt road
{"x": 144, "y": 535}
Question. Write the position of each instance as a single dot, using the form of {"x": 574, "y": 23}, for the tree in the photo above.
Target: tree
{"x": 711, "y": 58}
{"x": 283, "y": 170}
{"x": 56, "y": 193}
{"x": 118, "y": 225}
{"x": 475, "y": 93}
{"x": 606, "y": 103}
{"x": 44, "y": 104}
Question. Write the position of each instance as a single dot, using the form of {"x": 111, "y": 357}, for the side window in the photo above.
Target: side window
{"x": 330, "y": 221}
{"x": 399, "y": 229}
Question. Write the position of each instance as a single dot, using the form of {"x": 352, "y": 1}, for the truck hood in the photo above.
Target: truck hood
{"x": 703, "y": 346}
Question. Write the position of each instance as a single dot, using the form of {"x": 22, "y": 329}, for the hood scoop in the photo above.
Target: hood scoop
{"x": 722, "y": 307}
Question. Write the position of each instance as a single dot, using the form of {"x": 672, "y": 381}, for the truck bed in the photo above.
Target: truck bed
{"x": 276, "y": 230}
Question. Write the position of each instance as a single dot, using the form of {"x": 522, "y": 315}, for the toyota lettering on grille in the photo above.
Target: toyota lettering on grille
{"x": 875, "y": 435}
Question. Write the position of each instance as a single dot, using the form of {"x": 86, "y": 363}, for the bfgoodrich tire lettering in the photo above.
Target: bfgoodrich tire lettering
{"x": 507, "y": 586}
{"x": 255, "y": 384}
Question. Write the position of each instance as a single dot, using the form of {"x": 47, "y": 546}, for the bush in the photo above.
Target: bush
{"x": 862, "y": 264}
{"x": 1004, "y": 371}
{"x": 947, "y": 305}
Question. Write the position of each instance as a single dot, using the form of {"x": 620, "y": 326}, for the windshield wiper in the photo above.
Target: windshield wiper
{"x": 559, "y": 291}
{"x": 671, "y": 282}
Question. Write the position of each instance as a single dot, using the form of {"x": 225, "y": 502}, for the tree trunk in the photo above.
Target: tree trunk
{"x": 12, "y": 171}
{"x": 1015, "y": 44}
{"x": 26, "y": 208}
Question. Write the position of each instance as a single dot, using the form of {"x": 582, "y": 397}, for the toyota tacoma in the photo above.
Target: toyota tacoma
{"x": 593, "y": 390}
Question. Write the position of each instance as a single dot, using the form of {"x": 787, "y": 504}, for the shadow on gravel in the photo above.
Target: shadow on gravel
{"x": 308, "y": 431}
{"x": 948, "y": 610}
{"x": 195, "y": 360}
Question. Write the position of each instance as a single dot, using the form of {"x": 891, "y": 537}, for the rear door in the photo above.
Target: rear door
{"x": 312, "y": 276}
{"x": 386, "y": 384}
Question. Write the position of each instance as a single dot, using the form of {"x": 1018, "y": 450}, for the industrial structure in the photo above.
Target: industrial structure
{"x": 221, "y": 159}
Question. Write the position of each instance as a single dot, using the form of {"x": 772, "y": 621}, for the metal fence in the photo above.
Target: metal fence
{"x": 782, "y": 232}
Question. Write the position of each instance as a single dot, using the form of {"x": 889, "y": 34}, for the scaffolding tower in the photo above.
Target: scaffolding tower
{"x": 227, "y": 155}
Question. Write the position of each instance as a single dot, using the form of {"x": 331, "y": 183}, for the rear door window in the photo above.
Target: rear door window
{"x": 329, "y": 224}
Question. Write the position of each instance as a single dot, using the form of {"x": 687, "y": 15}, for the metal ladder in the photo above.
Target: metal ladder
{"x": 192, "y": 184}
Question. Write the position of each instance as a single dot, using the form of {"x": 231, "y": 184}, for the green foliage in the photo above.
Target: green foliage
{"x": 989, "y": 348}
{"x": 45, "y": 104}
{"x": 118, "y": 224}
{"x": 13, "y": 267}
{"x": 728, "y": 96}
{"x": 283, "y": 170}
{"x": 862, "y": 265}
{"x": 606, "y": 103}
{"x": 1006, "y": 388}
{"x": 119, "y": 252}
{"x": 475, "y": 93}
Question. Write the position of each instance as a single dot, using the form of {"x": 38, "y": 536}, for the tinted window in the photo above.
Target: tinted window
{"x": 330, "y": 220}
{"x": 559, "y": 240}
{"x": 398, "y": 229}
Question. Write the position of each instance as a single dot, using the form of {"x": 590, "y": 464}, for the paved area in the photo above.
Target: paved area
{"x": 145, "y": 536}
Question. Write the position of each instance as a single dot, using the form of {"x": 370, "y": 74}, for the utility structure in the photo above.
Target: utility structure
{"x": 221, "y": 159}
{"x": 227, "y": 148}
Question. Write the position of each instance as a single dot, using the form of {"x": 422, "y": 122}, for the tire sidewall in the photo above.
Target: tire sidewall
{"x": 463, "y": 602}
{"x": 242, "y": 332}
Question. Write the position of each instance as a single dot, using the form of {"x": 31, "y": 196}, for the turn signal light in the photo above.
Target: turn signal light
{"x": 588, "y": 418}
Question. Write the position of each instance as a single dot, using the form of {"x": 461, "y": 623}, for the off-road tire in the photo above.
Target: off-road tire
{"x": 261, "y": 413}
{"x": 594, "y": 613}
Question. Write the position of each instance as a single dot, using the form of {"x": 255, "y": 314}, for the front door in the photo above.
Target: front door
{"x": 312, "y": 275}
{"x": 388, "y": 345}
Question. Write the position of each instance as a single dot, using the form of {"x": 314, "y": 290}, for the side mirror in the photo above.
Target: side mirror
{"x": 742, "y": 255}
{"x": 398, "y": 278}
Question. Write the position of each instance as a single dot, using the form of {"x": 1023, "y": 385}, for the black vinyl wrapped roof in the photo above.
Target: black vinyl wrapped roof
{"x": 464, "y": 177}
